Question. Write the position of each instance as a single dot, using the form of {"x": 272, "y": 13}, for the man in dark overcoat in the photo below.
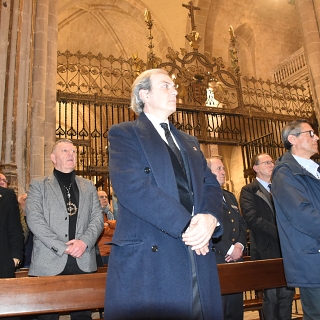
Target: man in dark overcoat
{"x": 170, "y": 205}
{"x": 11, "y": 234}
{"x": 296, "y": 190}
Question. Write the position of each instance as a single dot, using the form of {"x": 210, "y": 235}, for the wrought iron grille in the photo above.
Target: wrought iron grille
{"x": 215, "y": 105}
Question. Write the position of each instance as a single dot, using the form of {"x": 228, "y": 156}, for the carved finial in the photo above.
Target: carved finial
{"x": 152, "y": 60}
{"x": 234, "y": 53}
{"x": 147, "y": 17}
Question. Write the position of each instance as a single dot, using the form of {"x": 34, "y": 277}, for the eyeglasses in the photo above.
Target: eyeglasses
{"x": 266, "y": 162}
{"x": 311, "y": 132}
{"x": 4, "y": 180}
{"x": 103, "y": 197}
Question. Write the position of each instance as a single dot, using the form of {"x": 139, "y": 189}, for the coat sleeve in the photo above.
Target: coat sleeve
{"x": 136, "y": 187}
{"x": 292, "y": 196}
{"x": 255, "y": 221}
{"x": 37, "y": 222}
{"x": 14, "y": 228}
{"x": 94, "y": 228}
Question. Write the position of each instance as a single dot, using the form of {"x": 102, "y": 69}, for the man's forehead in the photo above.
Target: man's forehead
{"x": 161, "y": 78}
{"x": 305, "y": 126}
{"x": 65, "y": 145}
{"x": 217, "y": 163}
{"x": 264, "y": 157}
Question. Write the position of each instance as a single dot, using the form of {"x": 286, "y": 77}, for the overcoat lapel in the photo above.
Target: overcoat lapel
{"x": 82, "y": 193}
{"x": 54, "y": 184}
{"x": 187, "y": 149}
{"x": 157, "y": 155}
{"x": 261, "y": 194}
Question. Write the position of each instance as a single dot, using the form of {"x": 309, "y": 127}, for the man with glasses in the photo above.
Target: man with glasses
{"x": 258, "y": 211}
{"x": 296, "y": 194}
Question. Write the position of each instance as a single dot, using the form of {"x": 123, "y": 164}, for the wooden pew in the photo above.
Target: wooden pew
{"x": 251, "y": 275}
{"x": 23, "y": 272}
{"x": 36, "y": 295}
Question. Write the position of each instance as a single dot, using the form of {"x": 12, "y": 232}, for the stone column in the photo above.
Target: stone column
{"x": 50, "y": 119}
{"x": 309, "y": 15}
{"x": 43, "y": 86}
{"x": 15, "y": 26}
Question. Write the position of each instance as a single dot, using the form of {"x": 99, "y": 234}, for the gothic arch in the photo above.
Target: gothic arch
{"x": 246, "y": 46}
{"x": 117, "y": 29}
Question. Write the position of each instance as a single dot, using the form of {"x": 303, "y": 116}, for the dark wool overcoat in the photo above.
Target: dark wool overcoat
{"x": 149, "y": 273}
{"x": 11, "y": 234}
{"x": 296, "y": 195}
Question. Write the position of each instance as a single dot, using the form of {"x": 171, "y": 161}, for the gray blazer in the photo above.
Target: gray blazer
{"x": 48, "y": 220}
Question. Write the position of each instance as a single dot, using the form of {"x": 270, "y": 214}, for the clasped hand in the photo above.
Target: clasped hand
{"x": 199, "y": 233}
{"x": 76, "y": 248}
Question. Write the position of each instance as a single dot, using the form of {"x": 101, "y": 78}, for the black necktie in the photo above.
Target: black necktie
{"x": 172, "y": 145}
{"x": 269, "y": 185}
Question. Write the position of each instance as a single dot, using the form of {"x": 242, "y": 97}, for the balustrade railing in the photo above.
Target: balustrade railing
{"x": 293, "y": 65}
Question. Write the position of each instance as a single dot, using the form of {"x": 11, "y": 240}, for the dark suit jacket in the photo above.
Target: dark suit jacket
{"x": 234, "y": 228}
{"x": 149, "y": 273}
{"x": 259, "y": 214}
{"x": 11, "y": 234}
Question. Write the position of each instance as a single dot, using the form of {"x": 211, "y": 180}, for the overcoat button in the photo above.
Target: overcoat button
{"x": 154, "y": 248}
{"x": 147, "y": 170}
{"x": 213, "y": 249}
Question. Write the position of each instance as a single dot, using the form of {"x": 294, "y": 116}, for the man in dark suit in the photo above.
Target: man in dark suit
{"x": 64, "y": 214}
{"x": 11, "y": 235}
{"x": 258, "y": 211}
{"x": 170, "y": 204}
{"x": 229, "y": 247}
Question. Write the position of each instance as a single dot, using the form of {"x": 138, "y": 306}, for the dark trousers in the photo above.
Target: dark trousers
{"x": 233, "y": 306}
{"x": 277, "y": 303}
{"x": 310, "y": 300}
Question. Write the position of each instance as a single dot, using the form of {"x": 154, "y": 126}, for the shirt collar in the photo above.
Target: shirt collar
{"x": 264, "y": 184}
{"x": 308, "y": 164}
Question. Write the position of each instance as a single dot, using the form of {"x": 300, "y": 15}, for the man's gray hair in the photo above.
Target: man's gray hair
{"x": 143, "y": 82}
{"x": 212, "y": 158}
{"x": 60, "y": 141}
{"x": 292, "y": 128}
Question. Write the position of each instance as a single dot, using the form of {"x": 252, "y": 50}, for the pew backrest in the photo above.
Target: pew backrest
{"x": 37, "y": 295}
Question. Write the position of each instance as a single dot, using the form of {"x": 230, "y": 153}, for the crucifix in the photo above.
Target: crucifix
{"x": 191, "y": 9}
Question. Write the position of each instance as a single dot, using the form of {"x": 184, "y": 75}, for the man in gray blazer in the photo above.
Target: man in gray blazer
{"x": 63, "y": 212}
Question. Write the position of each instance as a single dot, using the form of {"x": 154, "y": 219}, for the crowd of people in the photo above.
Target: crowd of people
{"x": 172, "y": 222}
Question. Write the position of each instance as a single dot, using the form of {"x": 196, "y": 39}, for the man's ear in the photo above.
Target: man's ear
{"x": 255, "y": 168}
{"x": 143, "y": 94}
{"x": 53, "y": 158}
{"x": 292, "y": 139}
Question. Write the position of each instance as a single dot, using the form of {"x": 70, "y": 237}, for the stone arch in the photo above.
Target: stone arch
{"x": 246, "y": 47}
{"x": 121, "y": 26}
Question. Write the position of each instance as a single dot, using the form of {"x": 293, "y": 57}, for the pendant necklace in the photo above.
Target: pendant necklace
{"x": 71, "y": 207}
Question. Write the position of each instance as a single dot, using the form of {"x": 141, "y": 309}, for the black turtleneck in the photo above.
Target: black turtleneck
{"x": 65, "y": 179}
